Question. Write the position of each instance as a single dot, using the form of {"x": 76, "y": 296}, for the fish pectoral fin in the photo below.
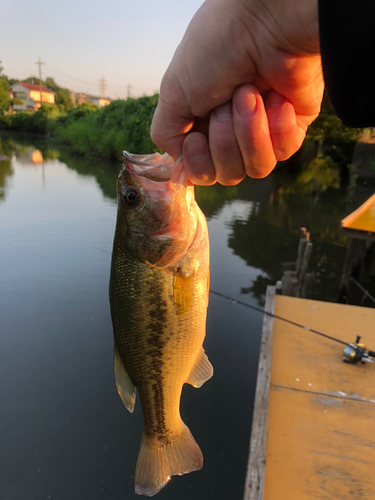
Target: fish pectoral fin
{"x": 201, "y": 372}
{"x": 183, "y": 289}
{"x": 125, "y": 386}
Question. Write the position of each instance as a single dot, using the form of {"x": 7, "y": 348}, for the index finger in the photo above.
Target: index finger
{"x": 171, "y": 122}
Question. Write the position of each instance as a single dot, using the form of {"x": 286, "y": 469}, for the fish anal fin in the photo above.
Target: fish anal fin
{"x": 183, "y": 289}
{"x": 201, "y": 372}
{"x": 159, "y": 460}
{"x": 125, "y": 386}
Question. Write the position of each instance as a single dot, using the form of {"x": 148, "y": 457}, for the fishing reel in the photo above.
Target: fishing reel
{"x": 353, "y": 353}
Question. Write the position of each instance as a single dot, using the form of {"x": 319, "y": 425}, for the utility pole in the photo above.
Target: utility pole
{"x": 129, "y": 87}
{"x": 39, "y": 63}
{"x": 102, "y": 85}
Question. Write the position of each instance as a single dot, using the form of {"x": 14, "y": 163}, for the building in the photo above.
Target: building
{"x": 99, "y": 101}
{"x": 29, "y": 94}
{"x": 80, "y": 98}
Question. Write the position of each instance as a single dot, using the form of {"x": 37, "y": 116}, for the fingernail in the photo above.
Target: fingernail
{"x": 246, "y": 103}
{"x": 224, "y": 112}
{"x": 196, "y": 149}
{"x": 275, "y": 100}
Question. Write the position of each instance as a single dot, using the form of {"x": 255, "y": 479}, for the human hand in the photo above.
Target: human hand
{"x": 242, "y": 88}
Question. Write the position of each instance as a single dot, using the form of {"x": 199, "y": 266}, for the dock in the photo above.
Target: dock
{"x": 314, "y": 415}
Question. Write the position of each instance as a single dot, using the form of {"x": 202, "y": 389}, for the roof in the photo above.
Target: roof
{"x": 31, "y": 86}
{"x": 362, "y": 219}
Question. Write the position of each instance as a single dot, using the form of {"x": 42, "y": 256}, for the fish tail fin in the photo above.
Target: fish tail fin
{"x": 158, "y": 461}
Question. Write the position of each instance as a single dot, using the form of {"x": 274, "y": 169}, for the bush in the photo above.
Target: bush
{"x": 24, "y": 121}
{"x": 109, "y": 130}
{"x": 335, "y": 140}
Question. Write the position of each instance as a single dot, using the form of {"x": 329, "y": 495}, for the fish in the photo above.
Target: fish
{"x": 159, "y": 287}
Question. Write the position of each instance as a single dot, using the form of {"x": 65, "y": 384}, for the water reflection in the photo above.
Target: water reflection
{"x": 6, "y": 170}
{"x": 259, "y": 220}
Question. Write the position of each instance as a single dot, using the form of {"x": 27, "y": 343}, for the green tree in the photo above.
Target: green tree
{"x": 4, "y": 92}
{"x": 4, "y": 95}
{"x": 63, "y": 99}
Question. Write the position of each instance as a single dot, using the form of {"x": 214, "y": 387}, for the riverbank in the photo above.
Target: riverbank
{"x": 90, "y": 130}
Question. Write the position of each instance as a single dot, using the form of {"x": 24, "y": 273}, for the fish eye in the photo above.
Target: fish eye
{"x": 132, "y": 197}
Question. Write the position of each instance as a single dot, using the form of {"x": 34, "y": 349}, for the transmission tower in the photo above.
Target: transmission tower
{"x": 39, "y": 63}
{"x": 102, "y": 86}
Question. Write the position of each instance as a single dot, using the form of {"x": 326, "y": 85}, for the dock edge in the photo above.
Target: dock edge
{"x": 254, "y": 485}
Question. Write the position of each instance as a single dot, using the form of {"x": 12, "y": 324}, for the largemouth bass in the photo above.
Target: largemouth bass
{"x": 159, "y": 295}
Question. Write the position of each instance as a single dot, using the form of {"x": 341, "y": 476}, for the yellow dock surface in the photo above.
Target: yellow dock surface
{"x": 321, "y": 412}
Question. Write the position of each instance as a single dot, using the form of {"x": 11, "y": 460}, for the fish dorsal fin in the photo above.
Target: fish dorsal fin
{"x": 201, "y": 372}
{"x": 125, "y": 386}
{"x": 183, "y": 289}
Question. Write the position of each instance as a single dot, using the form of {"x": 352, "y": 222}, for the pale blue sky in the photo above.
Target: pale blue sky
{"x": 129, "y": 42}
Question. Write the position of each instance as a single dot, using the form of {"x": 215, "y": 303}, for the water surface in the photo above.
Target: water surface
{"x": 64, "y": 432}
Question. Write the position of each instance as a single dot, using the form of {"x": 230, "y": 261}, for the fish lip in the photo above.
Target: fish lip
{"x": 140, "y": 159}
{"x": 143, "y": 165}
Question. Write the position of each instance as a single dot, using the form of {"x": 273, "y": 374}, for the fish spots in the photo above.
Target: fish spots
{"x": 156, "y": 339}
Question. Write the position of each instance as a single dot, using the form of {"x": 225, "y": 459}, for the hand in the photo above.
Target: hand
{"x": 242, "y": 88}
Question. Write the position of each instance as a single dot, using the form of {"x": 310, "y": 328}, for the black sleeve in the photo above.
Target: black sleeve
{"x": 347, "y": 44}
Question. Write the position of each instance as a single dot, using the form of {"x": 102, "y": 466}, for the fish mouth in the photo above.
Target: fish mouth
{"x": 155, "y": 167}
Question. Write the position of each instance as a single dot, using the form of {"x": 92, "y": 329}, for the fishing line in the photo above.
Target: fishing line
{"x": 262, "y": 311}
{"x": 363, "y": 289}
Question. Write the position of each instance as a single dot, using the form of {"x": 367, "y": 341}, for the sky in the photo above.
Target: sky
{"x": 129, "y": 43}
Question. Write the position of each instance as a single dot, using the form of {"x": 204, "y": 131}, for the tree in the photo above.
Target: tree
{"x": 5, "y": 100}
{"x": 63, "y": 99}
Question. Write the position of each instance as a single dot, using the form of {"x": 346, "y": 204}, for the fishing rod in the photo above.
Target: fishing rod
{"x": 353, "y": 352}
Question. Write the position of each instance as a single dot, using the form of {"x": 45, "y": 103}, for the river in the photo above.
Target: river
{"x": 64, "y": 432}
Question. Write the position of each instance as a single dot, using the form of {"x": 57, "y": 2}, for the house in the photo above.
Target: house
{"x": 30, "y": 96}
{"x": 99, "y": 101}
{"x": 80, "y": 98}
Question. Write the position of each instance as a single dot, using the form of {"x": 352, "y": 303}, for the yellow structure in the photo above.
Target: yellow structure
{"x": 362, "y": 219}
{"x": 318, "y": 442}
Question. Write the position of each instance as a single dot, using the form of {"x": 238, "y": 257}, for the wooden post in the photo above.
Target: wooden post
{"x": 254, "y": 486}
{"x": 353, "y": 260}
{"x": 305, "y": 262}
{"x": 304, "y": 238}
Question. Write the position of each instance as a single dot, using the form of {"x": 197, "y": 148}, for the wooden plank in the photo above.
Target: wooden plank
{"x": 254, "y": 486}
{"x": 321, "y": 411}
{"x": 319, "y": 447}
{"x": 305, "y": 361}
